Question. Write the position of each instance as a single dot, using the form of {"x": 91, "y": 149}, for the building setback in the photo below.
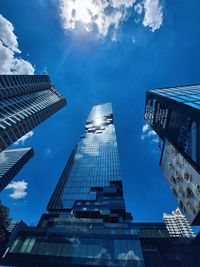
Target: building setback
{"x": 173, "y": 113}
{"x": 11, "y": 162}
{"x": 87, "y": 223}
{"x": 26, "y": 101}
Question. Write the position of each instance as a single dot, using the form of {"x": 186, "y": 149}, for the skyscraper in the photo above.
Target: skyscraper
{"x": 177, "y": 224}
{"x": 173, "y": 113}
{"x": 26, "y": 101}
{"x": 87, "y": 223}
{"x": 91, "y": 184}
{"x": 11, "y": 162}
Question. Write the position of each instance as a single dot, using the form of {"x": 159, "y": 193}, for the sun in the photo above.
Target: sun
{"x": 98, "y": 121}
{"x": 84, "y": 10}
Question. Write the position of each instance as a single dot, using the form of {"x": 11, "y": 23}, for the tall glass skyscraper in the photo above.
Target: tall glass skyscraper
{"x": 11, "y": 162}
{"x": 91, "y": 184}
{"x": 173, "y": 113}
{"x": 26, "y": 101}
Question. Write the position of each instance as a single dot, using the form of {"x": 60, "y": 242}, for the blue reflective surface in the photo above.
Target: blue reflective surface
{"x": 94, "y": 166}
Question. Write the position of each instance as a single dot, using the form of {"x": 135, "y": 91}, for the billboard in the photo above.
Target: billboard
{"x": 156, "y": 113}
{"x": 184, "y": 181}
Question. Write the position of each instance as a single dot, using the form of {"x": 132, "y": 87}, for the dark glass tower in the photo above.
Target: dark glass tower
{"x": 173, "y": 113}
{"x": 26, "y": 101}
{"x": 11, "y": 162}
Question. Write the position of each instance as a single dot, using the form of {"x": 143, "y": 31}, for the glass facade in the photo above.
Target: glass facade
{"x": 26, "y": 101}
{"x": 86, "y": 248}
{"x": 91, "y": 184}
{"x": 11, "y": 162}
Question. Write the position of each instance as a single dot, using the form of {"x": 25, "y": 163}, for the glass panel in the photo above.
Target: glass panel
{"x": 25, "y": 244}
{"x": 30, "y": 245}
{"x": 14, "y": 245}
{"x": 127, "y": 250}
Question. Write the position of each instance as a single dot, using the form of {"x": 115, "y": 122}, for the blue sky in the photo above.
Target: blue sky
{"x": 114, "y": 58}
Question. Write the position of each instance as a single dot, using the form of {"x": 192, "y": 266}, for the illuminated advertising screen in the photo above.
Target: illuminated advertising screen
{"x": 184, "y": 180}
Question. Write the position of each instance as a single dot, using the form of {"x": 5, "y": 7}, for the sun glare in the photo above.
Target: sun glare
{"x": 84, "y": 10}
{"x": 98, "y": 121}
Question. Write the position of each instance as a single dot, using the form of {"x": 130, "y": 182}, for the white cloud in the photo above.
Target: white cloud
{"x": 7, "y": 35}
{"x": 138, "y": 8}
{"x": 103, "y": 15}
{"x": 148, "y": 133}
{"x": 19, "y": 189}
{"x": 103, "y": 252}
{"x": 151, "y": 133}
{"x": 24, "y": 138}
{"x": 155, "y": 140}
{"x": 130, "y": 255}
{"x": 145, "y": 128}
{"x": 104, "y": 22}
{"x": 10, "y": 63}
{"x": 21, "y": 66}
{"x": 153, "y": 17}
{"x": 122, "y": 3}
